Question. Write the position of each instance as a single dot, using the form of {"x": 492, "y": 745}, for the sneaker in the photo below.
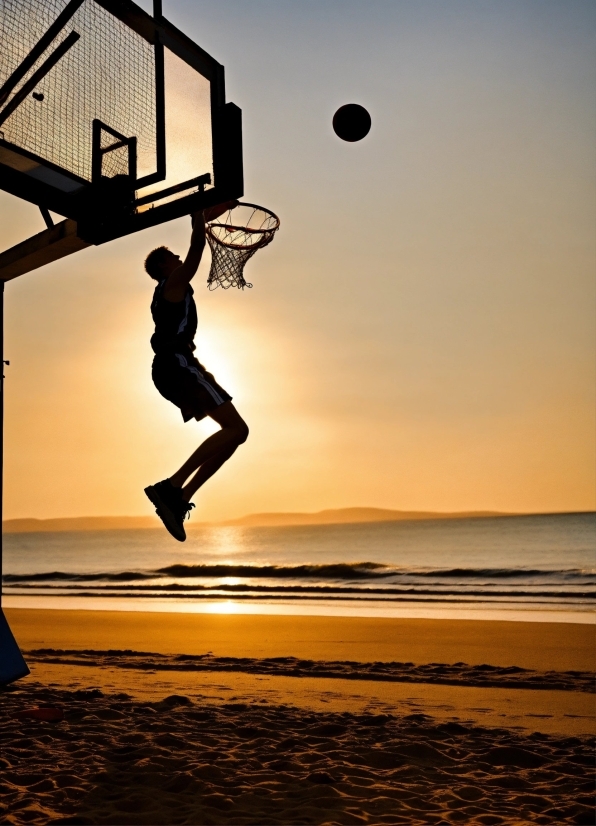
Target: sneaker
{"x": 170, "y": 507}
{"x": 186, "y": 509}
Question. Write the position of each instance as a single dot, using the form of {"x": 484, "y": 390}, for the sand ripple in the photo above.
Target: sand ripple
{"x": 483, "y": 676}
{"x": 115, "y": 760}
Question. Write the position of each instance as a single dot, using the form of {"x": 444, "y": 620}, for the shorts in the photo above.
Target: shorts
{"x": 182, "y": 380}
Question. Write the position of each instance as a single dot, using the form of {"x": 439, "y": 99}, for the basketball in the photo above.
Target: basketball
{"x": 351, "y": 122}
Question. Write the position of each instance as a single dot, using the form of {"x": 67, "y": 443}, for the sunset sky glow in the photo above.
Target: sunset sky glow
{"x": 420, "y": 334}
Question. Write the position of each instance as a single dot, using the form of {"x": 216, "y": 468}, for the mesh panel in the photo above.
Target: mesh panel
{"x": 108, "y": 74}
{"x": 115, "y": 162}
{"x": 115, "y": 157}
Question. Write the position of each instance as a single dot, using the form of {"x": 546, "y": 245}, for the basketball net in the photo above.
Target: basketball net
{"x": 234, "y": 238}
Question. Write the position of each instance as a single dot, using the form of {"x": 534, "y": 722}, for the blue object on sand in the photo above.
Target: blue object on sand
{"x": 12, "y": 664}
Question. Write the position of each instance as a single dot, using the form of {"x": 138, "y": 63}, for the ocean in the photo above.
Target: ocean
{"x": 537, "y": 568}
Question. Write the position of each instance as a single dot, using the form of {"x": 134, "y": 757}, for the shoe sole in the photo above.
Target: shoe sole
{"x": 165, "y": 514}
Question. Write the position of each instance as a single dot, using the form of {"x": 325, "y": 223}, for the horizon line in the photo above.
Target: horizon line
{"x": 327, "y": 516}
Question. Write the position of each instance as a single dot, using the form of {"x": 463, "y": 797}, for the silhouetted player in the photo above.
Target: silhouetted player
{"x": 181, "y": 379}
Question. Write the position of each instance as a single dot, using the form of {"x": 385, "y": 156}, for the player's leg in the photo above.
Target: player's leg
{"x": 214, "y": 451}
{"x": 184, "y": 381}
{"x": 171, "y": 500}
{"x": 231, "y": 422}
{"x": 206, "y": 471}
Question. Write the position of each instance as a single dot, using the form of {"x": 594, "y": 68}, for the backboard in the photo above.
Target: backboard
{"x": 111, "y": 118}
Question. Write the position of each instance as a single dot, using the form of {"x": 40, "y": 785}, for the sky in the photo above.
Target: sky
{"x": 420, "y": 334}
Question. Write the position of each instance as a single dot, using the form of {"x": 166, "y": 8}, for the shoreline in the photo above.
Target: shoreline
{"x": 357, "y": 609}
{"x": 559, "y": 647}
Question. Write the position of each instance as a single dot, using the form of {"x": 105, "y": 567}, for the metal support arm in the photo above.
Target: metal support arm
{"x": 48, "y": 245}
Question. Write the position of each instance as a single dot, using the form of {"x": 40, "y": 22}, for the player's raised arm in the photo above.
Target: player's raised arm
{"x": 178, "y": 280}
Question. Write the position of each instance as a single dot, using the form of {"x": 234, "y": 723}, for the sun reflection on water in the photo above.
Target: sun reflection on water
{"x": 227, "y": 542}
{"x": 227, "y": 607}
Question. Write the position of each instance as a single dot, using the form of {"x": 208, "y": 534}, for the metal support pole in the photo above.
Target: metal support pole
{"x": 1, "y": 429}
{"x": 12, "y": 664}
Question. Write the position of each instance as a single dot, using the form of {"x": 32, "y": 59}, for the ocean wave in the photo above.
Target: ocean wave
{"x": 330, "y": 571}
{"x": 61, "y": 576}
{"x": 338, "y": 570}
{"x": 341, "y": 570}
{"x": 361, "y": 597}
{"x": 313, "y": 589}
{"x": 501, "y": 573}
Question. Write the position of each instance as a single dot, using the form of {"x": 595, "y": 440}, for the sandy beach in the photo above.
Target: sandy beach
{"x": 192, "y": 719}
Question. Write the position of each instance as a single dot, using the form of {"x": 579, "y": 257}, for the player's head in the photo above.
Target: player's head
{"x": 160, "y": 262}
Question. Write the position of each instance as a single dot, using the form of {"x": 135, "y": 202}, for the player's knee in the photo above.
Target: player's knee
{"x": 242, "y": 433}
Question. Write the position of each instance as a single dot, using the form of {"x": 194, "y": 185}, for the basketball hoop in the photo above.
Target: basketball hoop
{"x": 234, "y": 238}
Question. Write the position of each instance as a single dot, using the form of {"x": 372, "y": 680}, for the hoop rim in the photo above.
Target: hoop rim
{"x": 233, "y": 228}
{"x": 267, "y": 233}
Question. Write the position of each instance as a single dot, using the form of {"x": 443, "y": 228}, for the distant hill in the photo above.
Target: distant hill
{"x": 349, "y": 515}
{"x": 326, "y": 517}
{"x": 80, "y": 523}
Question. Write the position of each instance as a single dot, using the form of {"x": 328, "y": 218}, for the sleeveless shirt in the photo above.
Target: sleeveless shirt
{"x": 175, "y": 322}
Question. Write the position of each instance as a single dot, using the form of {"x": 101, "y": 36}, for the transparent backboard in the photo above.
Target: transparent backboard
{"x": 94, "y": 91}
{"x": 188, "y": 128}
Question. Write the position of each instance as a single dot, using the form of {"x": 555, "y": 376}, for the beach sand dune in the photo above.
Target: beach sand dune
{"x": 288, "y": 735}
